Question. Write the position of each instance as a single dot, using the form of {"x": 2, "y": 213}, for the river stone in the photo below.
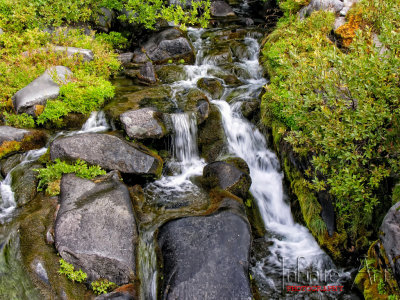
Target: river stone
{"x": 328, "y": 5}
{"x": 24, "y": 182}
{"x": 218, "y": 55}
{"x": 250, "y": 108}
{"x": 212, "y": 86}
{"x": 147, "y": 74}
{"x": 228, "y": 177}
{"x": 221, "y": 9}
{"x": 390, "y": 236}
{"x": 8, "y": 133}
{"x": 143, "y": 124}
{"x": 171, "y": 73}
{"x": 95, "y": 228}
{"x": 170, "y": 44}
{"x": 206, "y": 257}
{"x": 41, "y": 89}
{"x": 104, "y": 19}
{"x": 107, "y": 151}
{"x": 8, "y": 164}
{"x": 158, "y": 98}
{"x": 125, "y": 58}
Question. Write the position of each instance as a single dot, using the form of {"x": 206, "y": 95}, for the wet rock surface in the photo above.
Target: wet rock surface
{"x": 40, "y": 90}
{"x": 25, "y": 182}
{"x": 221, "y": 9}
{"x": 95, "y": 227}
{"x": 107, "y": 151}
{"x": 206, "y": 257}
{"x": 170, "y": 44}
{"x": 143, "y": 123}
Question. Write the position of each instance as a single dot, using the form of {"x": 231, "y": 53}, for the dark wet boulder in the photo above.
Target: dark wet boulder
{"x": 195, "y": 101}
{"x": 143, "y": 124}
{"x": 171, "y": 73}
{"x": 158, "y": 97}
{"x": 109, "y": 152}
{"x": 125, "y": 58}
{"x": 206, "y": 257}
{"x": 390, "y": 237}
{"x": 212, "y": 86}
{"x": 7, "y": 164}
{"x": 170, "y": 44}
{"x": 40, "y": 90}
{"x": 13, "y": 140}
{"x": 211, "y": 139}
{"x": 95, "y": 228}
{"x": 147, "y": 74}
{"x": 250, "y": 109}
{"x": 227, "y": 177}
{"x": 221, "y": 9}
{"x": 24, "y": 182}
{"x": 230, "y": 79}
{"x": 328, "y": 5}
{"x": 218, "y": 55}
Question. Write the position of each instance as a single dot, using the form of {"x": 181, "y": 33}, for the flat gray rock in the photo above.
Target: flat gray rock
{"x": 41, "y": 89}
{"x": 95, "y": 228}
{"x": 107, "y": 151}
{"x": 125, "y": 58}
{"x": 86, "y": 54}
{"x": 8, "y": 133}
{"x": 143, "y": 123}
{"x": 327, "y": 5}
{"x": 206, "y": 257}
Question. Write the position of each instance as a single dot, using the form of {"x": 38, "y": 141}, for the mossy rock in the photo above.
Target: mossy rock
{"x": 239, "y": 163}
{"x": 230, "y": 79}
{"x": 171, "y": 73}
{"x": 156, "y": 97}
{"x": 24, "y": 183}
{"x": 250, "y": 109}
{"x": 254, "y": 216}
{"x": 71, "y": 121}
{"x": 225, "y": 34}
{"x": 34, "y": 139}
{"x": 36, "y": 226}
{"x": 236, "y": 70}
{"x": 7, "y": 164}
{"x": 218, "y": 55}
{"x": 240, "y": 50}
{"x": 211, "y": 138}
{"x": 212, "y": 86}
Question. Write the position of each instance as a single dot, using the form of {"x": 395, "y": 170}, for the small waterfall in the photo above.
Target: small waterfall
{"x": 8, "y": 203}
{"x": 147, "y": 265}
{"x": 185, "y": 135}
{"x": 97, "y": 122}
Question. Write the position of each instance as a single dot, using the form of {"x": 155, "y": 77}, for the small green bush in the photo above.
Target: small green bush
{"x": 53, "y": 172}
{"x": 115, "y": 39}
{"x": 69, "y": 271}
{"x": 21, "y": 121}
{"x": 103, "y": 286}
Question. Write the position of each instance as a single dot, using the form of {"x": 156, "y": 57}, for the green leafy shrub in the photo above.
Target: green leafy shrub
{"x": 115, "y": 39}
{"x": 103, "y": 286}
{"x": 53, "y": 172}
{"x": 21, "y": 121}
{"x": 340, "y": 107}
{"x": 69, "y": 271}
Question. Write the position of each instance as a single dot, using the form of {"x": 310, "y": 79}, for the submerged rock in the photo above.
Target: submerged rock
{"x": 143, "y": 123}
{"x": 206, "y": 257}
{"x": 40, "y": 90}
{"x": 212, "y": 86}
{"x": 95, "y": 229}
{"x": 170, "y": 44}
{"x": 228, "y": 177}
{"x": 390, "y": 236}
{"x": 109, "y": 152}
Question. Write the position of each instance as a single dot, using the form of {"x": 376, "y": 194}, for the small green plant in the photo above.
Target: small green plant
{"x": 21, "y": 121}
{"x": 115, "y": 39}
{"x": 381, "y": 287}
{"x": 68, "y": 270}
{"x": 170, "y": 61}
{"x": 182, "y": 61}
{"x": 248, "y": 203}
{"x": 103, "y": 286}
{"x": 49, "y": 177}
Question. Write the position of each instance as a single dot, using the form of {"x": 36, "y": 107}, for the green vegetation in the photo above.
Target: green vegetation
{"x": 103, "y": 286}
{"x": 68, "y": 270}
{"x": 339, "y": 107}
{"x": 51, "y": 175}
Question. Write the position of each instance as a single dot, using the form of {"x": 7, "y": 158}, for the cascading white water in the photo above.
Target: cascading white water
{"x": 185, "y": 134}
{"x": 8, "y": 204}
{"x": 97, "y": 122}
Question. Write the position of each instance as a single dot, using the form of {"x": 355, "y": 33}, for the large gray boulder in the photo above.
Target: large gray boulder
{"x": 206, "y": 257}
{"x": 328, "y": 5}
{"x": 95, "y": 228}
{"x": 147, "y": 74}
{"x": 107, "y": 151}
{"x": 390, "y": 236}
{"x": 227, "y": 176}
{"x": 221, "y": 9}
{"x": 41, "y": 89}
{"x": 143, "y": 123}
{"x": 170, "y": 44}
